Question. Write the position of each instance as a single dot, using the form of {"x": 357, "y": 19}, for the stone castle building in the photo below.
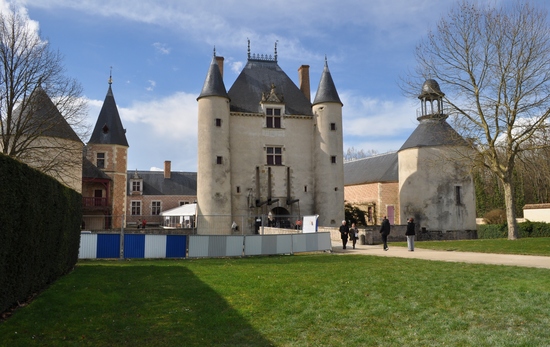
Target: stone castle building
{"x": 264, "y": 149}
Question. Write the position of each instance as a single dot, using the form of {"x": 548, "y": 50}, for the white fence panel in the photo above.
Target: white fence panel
{"x": 284, "y": 244}
{"x": 88, "y": 246}
{"x": 253, "y": 244}
{"x": 155, "y": 246}
{"x": 198, "y": 246}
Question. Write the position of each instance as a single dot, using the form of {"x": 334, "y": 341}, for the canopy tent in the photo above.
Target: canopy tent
{"x": 180, "y": 217}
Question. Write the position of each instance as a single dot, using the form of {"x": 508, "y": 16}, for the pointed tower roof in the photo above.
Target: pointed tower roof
{"x": 213, "y": 84}
{"x": 326, "y": 92}
{"x": 44, "y": 118}
{"x": 108, "y": 128}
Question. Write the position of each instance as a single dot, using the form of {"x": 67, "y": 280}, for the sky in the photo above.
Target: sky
{"x": 159, "y": 52}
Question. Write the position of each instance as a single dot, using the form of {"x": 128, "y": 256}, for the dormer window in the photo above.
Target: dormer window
{"x": 136, "y": 185}
{"x": 273, "y": 118}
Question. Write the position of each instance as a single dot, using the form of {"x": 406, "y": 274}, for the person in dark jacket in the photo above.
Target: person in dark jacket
{"x": 344, "y": 233}
{"x": 353, "y": 234}
{"x": 410, "y": 234}
{"x": 385, "y": 231}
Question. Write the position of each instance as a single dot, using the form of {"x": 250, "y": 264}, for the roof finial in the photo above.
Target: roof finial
{"x": 214, "y": 51}
{"x": 326, "y": 60}
{"x": 111, "y": 76}
{"x": 248, "y": 47}
{"x": 276, "y": 50}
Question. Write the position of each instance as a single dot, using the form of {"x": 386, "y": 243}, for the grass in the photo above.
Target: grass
{"x": 525, "y": 246}
{"x": 300, "y": 300}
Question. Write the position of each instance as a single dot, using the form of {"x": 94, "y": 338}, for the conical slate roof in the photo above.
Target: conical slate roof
{"x": 108, "y": 128}
{"x": 326, "y": 92}
{"x": 44, "y": 118}
{"x": 433, "y": 133}
{"x": 213, "y": 84}
{"x": 259, "y": 76}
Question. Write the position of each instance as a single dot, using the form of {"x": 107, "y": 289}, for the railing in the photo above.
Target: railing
{"x": 94, "y": 202}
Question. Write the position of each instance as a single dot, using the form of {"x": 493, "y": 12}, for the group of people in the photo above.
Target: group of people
{"x": 348, "y": 233}
{"x": 353, "y": 233}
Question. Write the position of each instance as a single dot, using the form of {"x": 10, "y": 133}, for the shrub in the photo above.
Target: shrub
{"x": 526, "y": 229}
{"x": 496, "y": 216}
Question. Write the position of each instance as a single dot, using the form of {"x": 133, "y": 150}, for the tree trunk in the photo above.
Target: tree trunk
{"x": 510, "y": 210}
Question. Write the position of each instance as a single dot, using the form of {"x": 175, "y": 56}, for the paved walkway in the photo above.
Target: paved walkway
{"x": 452, "y": 256}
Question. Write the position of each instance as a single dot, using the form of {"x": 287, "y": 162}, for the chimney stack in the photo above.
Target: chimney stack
{"x": 303, "y": 77}
{"x": 167, "y": 168}
{"x": 219, "y": 60}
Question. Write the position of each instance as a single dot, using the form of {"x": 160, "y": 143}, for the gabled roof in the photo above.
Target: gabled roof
{"x": 154, "y": 183}
{"x": 213, "y": 84}
{"x": 257, "y": 77}
{"x": 379, "y": 168}
{"x": 433, "y": 133}
{"x": 44, "y": 118}
{"x": 108, "y": 128}
{"x": 326, "y": 92}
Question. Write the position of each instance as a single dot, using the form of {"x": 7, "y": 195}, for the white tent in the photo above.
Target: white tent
{"x": 180, "y": 217}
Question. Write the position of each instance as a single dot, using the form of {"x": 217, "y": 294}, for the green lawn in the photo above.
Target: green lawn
{"x": 530, "y": 246}
{"x": 300, "y": 300}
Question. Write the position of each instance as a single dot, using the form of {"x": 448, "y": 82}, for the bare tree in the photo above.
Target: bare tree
{"x": 39, "y": 105}
{"x": 493, "y": 63}
{"x": 354, "y": 154}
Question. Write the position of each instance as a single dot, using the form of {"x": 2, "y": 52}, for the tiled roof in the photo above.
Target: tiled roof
{"x": 154, "y": 183}
{"x": 108, "y": 128}
{"x": 432, "y": 133}
{"x": 256, "y": 78}
{"x": 46, "y": 120}
{"x": 213, "y": 84}
{"x": 379, "y": 168}
{"x": 326, "y": 92}
{"x": 89, "y": 170}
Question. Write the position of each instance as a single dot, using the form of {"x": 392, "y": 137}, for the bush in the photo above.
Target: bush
{"x": 39, "y": 231}
{"x": 526, "y": 229}
{"x": 496, "y": 216}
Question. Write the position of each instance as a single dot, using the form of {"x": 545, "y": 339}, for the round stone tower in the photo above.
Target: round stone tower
{"x": 214, "y": 161}
{"x": 329, "y": 161}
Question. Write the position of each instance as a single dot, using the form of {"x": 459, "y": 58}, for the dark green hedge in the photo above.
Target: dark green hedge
{"x": 39, "y": 231}
{"x": 526, "y": 229}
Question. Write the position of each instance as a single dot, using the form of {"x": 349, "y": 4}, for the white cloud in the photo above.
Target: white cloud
{"x": 162, "y": 48}
{"x": 152, "y": 85}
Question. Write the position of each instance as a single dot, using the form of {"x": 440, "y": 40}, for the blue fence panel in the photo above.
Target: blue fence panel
{"x": 108, "y": 246}
{"x": 134, "y": 246}
{"x": 176, "y": 246}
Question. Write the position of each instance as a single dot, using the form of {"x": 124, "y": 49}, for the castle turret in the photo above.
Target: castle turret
{"x": 213, "y": 170}
{"x": 435, "y": 186}
{"x": 329, "y": 162}
{"x": 107, "y": 149}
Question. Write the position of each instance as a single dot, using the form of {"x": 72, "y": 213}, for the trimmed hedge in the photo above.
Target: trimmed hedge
{"x": 526, "y": 229}
{"x": 39, "y": 231}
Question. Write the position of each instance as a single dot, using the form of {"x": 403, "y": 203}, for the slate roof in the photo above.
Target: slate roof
{"x": 433, "y": 133}
{"x": 213, "y": 84}
{"x": 154, "y": 183}
{"x": 108, "y": 128}
{"x": 326, "y": 92}
{"x": 379, "y": 168}
{"x": 45, "y": 119}
{"x": 256, "y": 78}
{"x": 89, "y": 170}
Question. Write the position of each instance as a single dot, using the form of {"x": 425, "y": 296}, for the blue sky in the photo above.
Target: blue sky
{"x": 160, "y": 51}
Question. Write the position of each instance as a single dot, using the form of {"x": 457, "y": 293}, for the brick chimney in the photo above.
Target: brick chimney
{"x": 167, "y": 168}
{"x": 219, "y": 60}
{"x": 303, "y": 77}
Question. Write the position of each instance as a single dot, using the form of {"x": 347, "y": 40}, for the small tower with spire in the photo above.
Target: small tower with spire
{"x": 329, "y": 161}
{"x": 214, "y": 159}
{"x": 435, "y": 185}
{"x": 107, "y": 149}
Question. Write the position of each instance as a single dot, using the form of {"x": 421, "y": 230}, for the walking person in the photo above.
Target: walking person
{"x": 385, "y": 231}
{"x": 344, "y": 234}
{"x": 410, "y": 234}
{"x": 353, "y": 234}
